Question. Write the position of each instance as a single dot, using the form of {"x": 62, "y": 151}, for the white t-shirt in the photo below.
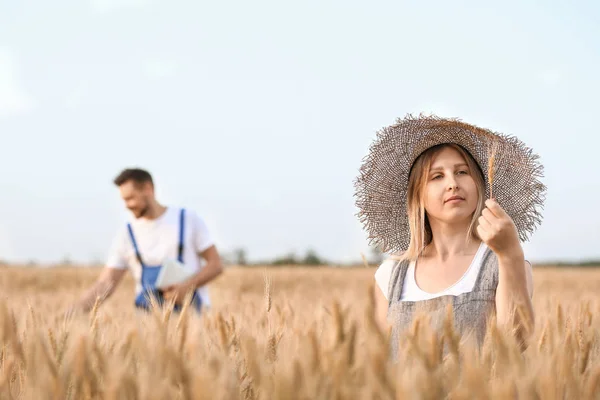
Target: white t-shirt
{"x": 158, "y": 240}
{"x": 412, "y": 292}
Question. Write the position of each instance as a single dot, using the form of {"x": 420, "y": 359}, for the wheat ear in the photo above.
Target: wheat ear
{"x": 493, "y": 148}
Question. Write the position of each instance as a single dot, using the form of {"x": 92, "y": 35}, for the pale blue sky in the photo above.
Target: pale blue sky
{"x": 257, "y": 114}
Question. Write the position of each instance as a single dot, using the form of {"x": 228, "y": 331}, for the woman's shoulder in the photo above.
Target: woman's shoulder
{"x": 386, "y": 266}
{"x": 383, "y": 274}
{"x": 385, "y": 270}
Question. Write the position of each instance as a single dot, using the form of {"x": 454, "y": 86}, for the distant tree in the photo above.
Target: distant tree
{"x": 312, "y": 258}
{"x": 240, "y": 256}
{"x": 289, "y": 259}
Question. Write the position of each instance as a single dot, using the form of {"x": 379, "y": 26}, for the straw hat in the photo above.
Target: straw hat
{"x": 382, "y": 185}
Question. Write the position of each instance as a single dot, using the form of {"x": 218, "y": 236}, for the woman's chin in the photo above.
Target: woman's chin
{"x": 456, "y": 217}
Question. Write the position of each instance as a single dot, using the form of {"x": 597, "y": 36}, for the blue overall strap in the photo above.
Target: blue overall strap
{"x": 135, "y": 246}
{"x": 181, "y": 231}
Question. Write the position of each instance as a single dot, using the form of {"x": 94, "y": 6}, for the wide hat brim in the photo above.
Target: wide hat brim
{"x": 382, "y": 184}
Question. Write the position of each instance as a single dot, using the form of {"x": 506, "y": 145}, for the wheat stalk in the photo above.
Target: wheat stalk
{"x": 53, "y": 343}
{"x": 492, "y": 152}
{"x": 340, "y": 356}
{"x": 94, "y": 318}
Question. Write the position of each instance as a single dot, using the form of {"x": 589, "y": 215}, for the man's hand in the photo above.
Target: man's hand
{"x": 211, "y": 270}
{"x": 103, "y": 288}
{"x": 177, "y": 293}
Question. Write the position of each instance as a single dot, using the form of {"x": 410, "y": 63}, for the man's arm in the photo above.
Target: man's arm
{"x": 205, "y": 247}
{"x": 212, "y": 269}
{"x": 103, "y": 287}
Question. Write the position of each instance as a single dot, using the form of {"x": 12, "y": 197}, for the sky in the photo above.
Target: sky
{"x": 257, "y": 114}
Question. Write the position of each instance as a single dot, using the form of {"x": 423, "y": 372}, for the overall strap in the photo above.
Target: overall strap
{"x": 135, "y": 246}
{"x": 488, "y": 273}
{"x": 397, "y": 281}
{"x": 181, "y": 236}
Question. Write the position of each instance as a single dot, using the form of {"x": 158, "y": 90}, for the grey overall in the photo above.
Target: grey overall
{"x": 471, "y": 310}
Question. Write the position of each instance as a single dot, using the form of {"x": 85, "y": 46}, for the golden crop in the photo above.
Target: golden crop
{"x": 282, "y": 333}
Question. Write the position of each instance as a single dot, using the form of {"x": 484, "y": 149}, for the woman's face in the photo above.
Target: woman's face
{"x": 450, "y": 193}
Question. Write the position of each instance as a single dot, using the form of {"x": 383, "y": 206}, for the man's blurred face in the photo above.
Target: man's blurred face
{"x": 136, "y": 197}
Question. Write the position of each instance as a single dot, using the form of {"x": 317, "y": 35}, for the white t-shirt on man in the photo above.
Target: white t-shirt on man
{"x": 158, "y": 240}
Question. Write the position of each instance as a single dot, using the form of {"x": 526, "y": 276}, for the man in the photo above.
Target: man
{"x": 156, "y": 235}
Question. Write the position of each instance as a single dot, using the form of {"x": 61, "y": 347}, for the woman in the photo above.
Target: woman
{"x": 425, "y": 193}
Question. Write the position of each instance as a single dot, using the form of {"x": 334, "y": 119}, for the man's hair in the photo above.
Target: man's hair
{"x": 137, "y": 175}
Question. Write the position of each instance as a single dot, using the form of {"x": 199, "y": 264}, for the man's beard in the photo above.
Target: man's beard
{"x": 143, "y": 212}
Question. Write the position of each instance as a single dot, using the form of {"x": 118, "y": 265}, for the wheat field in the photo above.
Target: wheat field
{"x": 283, "y": 333}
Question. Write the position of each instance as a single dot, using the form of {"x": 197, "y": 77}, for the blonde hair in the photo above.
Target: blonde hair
{"x": 420, "y": 230}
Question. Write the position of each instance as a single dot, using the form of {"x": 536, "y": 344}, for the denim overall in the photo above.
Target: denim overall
{"x": 150, "y": 274}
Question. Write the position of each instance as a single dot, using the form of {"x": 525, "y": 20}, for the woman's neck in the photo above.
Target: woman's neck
{"x": 450, "y": 240}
